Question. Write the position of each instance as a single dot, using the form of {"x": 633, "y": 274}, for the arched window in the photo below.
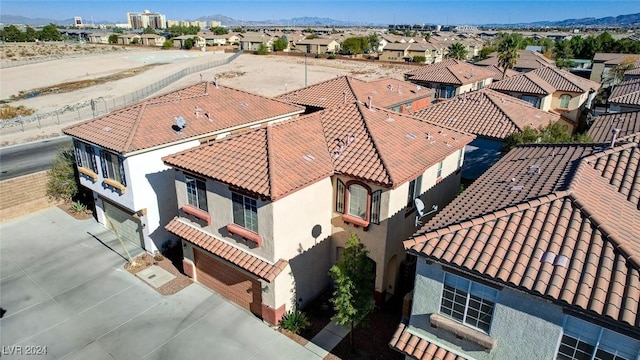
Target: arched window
{"x": 564, "y": 101}
{"x": 358, "y": 204}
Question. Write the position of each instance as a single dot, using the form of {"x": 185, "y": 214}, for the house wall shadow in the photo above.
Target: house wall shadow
{"x": 310, "y": 271}
{"x": 163, "y": 185}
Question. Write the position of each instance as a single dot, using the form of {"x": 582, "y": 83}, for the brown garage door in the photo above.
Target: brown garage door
{"x": 229, "y": 282}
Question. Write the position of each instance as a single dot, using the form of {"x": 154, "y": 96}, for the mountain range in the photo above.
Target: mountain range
{"x": 628, "y": 20}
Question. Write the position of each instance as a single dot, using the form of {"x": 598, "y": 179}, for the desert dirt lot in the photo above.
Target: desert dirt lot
{"x": 269, "y": 75}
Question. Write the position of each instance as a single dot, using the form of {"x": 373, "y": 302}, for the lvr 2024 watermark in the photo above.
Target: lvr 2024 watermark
{"x": 24, "y": 350}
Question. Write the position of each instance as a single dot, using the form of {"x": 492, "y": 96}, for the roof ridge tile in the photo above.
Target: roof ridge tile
{"x": 375, "y": 146}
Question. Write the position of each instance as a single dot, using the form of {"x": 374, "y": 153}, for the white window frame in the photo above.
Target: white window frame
{"x": 460, "y": 157}
{"x": 481, "y": 294}
{"x": 414, "y": 190}
{"x": 363, "y": 195}
{"x": 194, "y": 187}
{"x": 439, "y": 170}
{"x": 565, "y": 96}
{"x": 249, "y": 207}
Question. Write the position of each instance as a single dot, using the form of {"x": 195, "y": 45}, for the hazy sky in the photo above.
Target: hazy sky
{"x": 375, "y": 11}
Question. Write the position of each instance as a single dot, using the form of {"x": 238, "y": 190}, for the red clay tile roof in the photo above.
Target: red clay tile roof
{"x": 486, "y": 113}
{"x": 386, "y": 92}
{"x": 567, "y": 228}
{"x": 498, "y": 72}
{"x": 149, "y": 123}
{"x": 450, "y": 71}
{"x": 419, "y": 348}
{"x": 376, "y": 145}
{"x": 232, "y": 254}
{"x": 627, "y": 122}
{"x": 613, "y": 58}
{"x": 544, "y": 81}
{"x": 271, "y": 161}
{"x": 626, "y": 93}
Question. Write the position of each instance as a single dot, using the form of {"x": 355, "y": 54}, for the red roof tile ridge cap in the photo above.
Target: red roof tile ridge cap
{"x": 134, "y": 129}
{"x": 350, "y": 86}
{"x": 270, "y": 162}
{"x": 258, "y": 95}
{"x": 116, "y": 111}
{"x": 375, "y": 146}
{"x": 537, "y": 82}
{"x": 608, "y": 151}
{"x": 310, "y": 86}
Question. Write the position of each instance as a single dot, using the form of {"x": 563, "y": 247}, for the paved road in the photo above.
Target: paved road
{"x": 28, "y": 158}
{"x": 63, "y": 288}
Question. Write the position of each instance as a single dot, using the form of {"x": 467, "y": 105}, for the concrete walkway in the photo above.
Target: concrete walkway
{"x": 64, "y": 289}
{"x": 327, "y": 339}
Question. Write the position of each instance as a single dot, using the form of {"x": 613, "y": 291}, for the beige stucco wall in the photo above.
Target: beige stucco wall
{"x": 220, "y": 208}
{"x": 573, "y": 110}
{"x": 392, "y": 55}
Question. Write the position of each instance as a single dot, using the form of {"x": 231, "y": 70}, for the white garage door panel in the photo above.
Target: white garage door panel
{"x": 127, "y": 227}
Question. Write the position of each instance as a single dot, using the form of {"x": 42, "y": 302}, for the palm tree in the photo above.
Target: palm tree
{"x": 507, "y": 54}
{"x": 457, "y": 51}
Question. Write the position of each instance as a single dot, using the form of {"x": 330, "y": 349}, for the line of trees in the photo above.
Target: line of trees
{"x": 360, "y": 45}
{"x": 48, "y": 33}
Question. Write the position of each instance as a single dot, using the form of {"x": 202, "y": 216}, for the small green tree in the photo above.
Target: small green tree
{"x": 149, "y": 30}
{"x": 113, "y": 39}
{"x": 457, "y": 51}
{"x": 353, "y": 285}
{"x": 135, "y": 41}
{"x": 262, "y": 49}
{"x": 49, "y": 33}
{"x": 281, "y": 43}
{"x": 167, "y": 44}
{"x": 554, "y": 133}
{"x": 419, "y": 58}
{"x": 61, "y": 182}
{"x": 188, "y": 43}
{"x": 30, "y": 34}
{"x": 219, "y": 30}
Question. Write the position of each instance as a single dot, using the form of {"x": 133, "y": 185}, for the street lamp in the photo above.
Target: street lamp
{"x": 305, "y": 65}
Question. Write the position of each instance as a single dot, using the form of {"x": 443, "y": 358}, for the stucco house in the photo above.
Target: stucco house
{"x": 198, "y": 41}
{"x": 625, "y": 96}
{"x": 492, "y": 117}
{"x": 318, "y": 46}
{"x": 152, "y": 39}
{"x": 604, "y": 62}
{"x": 538, "y": 259}
{"x": 265, "y": 213}
{"x": 528, "y": 60}
{"x": 128, "y": 39}
{"x": 99, "y": 38}
{"x": 450, "y": 77}
{"x": 119, "y": 154}
{"x": 552, "y": 89}
{"x": 395, "y": 52}
{"x": 252, "y": 41}
{"x": 397, "y": 95}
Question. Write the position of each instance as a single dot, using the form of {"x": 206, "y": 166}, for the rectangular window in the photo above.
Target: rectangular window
{"x": 564, "y": 101}
{"x": 446, "y": 92}
{"x": 414, "y": 190}
{"x": 196, "y": 192}
{"x": 358, "y": 198}
{"x": 340, "y": 188}
{"x": 585, "y": 340}
{"x": 85, "y": 156}
{"x": 468, "y": 302}
{"x": 439, "y": 172}
{"x": 375, "y": 206}
{"x": 533, "y": 100}
{"x": 113, "y": 167}
{"x": 245, "y": 212}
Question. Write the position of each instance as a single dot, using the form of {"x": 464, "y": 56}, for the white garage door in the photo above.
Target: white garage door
{"x": 123, "y": 222}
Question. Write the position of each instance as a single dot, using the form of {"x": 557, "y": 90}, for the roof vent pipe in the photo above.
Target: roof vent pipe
{"x": 369, "y": 102}
{"x": 344, "y": 97}
{"x": 615, "y": 132}
{"x": 215, "y": 82}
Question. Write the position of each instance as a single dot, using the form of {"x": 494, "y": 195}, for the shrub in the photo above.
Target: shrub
{"x": 419, "y": 59}
{"x": 294, "y": 321}
{"x": 78, "y": 207}
{"x": 167, "y": 44}
{"x": 319, "y": 56}
{"x": 331, "y": 56}
{"x": 262, "y": 50}
{"x": 61, "y": 183}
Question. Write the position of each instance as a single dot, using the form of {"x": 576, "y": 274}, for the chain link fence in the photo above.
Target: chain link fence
{"x": 95, "y": 107}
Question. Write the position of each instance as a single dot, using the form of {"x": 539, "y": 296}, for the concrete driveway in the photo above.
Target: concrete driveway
{"x": 63, "y": 287}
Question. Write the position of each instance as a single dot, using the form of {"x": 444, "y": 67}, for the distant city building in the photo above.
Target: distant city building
{"x": 465, "y": 28}
{"x": 146, "y": 19}
{"x": 215, "y": 23}
{"x": 187, "y": 23}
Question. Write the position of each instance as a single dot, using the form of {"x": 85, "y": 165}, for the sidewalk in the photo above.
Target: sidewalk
{"x": 327, "y": 339}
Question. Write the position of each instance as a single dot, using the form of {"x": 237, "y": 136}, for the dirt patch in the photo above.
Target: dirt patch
{"x": 10, "y": 112}
{"x": 319, "y": 311}
{"x": 75, "y": 211}
{"x": 81, "y": 84}
{"x": 230, "y": 74}
{"x": 145, "y": 260}
{"x": 295, "y": 337}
